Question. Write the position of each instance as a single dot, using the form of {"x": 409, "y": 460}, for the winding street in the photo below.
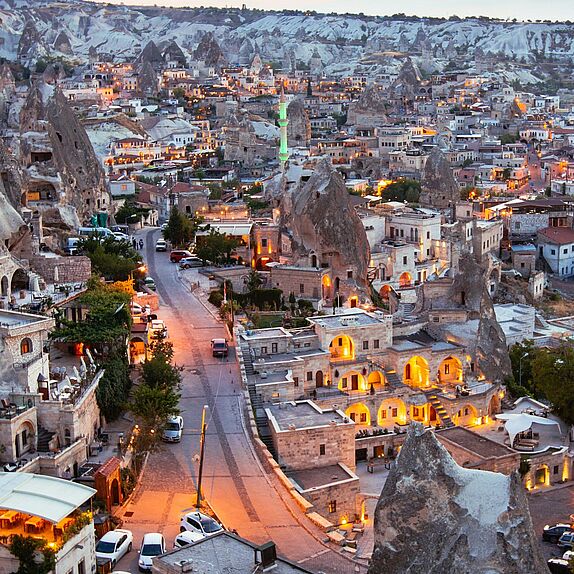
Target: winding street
{"x": 241, "y": 493}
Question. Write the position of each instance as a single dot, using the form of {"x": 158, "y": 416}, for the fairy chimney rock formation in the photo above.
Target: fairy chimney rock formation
{"x": 438, "y": 186}
{"x": 370, "y": 109}
{"x": 299, "y": 126}
{"x": 435, "y": 516}
{"x": 320, "y": 219}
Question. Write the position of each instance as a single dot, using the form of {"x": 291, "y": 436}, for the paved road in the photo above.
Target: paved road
{"x": 235, "y": 485}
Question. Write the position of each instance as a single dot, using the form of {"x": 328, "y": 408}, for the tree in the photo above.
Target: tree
{"x": 408, "y": 190}
{"x": 112, "y": 259}
{"x": 180, "y": 229}
{"x": 553, "y": 375}
{"x": 114, "y": 386}
{"x": 26, "y": 549}
{"x": 521, "y": 356}
{"x": 217, "y": 247}
{"x": 254, "y": 281}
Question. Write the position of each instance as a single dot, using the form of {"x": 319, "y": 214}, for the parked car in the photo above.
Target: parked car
{"x": 200, "y": 524}
{"x": 161, "y": 245}
{"x": 136, "y": 309}
{"x": 566, "y": 541}
{"x": 158, "y": 329}
{"x": 114, "y": 544}
{"x": 188, "y": 262}
{"x": 121, "y": 228}
{"x": 186, "y": 538}
{"x": 553, "y": 533}
{"x": 119, "y": 236}
{"x": 173, "y": 429}
{"x": 568, "y": 555}
{"x": 72, "y": 245}
{"x": 219, "y": 348}
{"x": 153, "y": 544}
{"x": 558, "y": 566}
{"x": 150, "y": 283}
{"x": 178, "y": 254}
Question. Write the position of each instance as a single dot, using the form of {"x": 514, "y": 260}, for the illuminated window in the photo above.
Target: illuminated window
{"x": 25, "y": 346}
{"x": 332, "y": 506}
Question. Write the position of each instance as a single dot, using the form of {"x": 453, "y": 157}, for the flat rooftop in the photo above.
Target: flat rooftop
{"x": 357, "y": 319}
{"x": 482, "y": 446}
{"x": 301, "y": 415}
{"x": 16, "y": 319}
{"x": 271, "y": 333}
{"x": 222, "y": 553}
{"x": 319, "y": 477}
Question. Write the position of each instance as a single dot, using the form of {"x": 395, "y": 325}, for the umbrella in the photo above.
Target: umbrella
{"x": 519, "y": 422}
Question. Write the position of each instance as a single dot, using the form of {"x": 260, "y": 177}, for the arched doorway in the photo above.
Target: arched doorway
{"x": 352, "y": 381}
{"x": 375, "y": 378}
{"x": 359, "y": 414}
{"x": 385, "y": 291}
{"x": 416, "y": 372}
{"x": 319, "y": 379}
{"x": 542, "y": 476}
{"x": 261, "y": 263}
{"x": 137, "y": 349}
{"x": 405, "y": 280}
{"x": 4, "y": 286}
{"x": 314, "y": 261}
{"x": 326, "y": 286}
{"x": 353, "y": 301}
{"x": 450, "y": 371}
{"x": 115, "y": 491}
{"x": 342, "y": 347}
{"x": 19, "y": 281}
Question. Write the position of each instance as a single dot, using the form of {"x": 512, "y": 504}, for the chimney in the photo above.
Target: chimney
{"x": 265, "y": 555}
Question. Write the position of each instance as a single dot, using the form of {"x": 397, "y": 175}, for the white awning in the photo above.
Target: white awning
{"x": 50, "y": 498}
{"x": 519, "y": 422}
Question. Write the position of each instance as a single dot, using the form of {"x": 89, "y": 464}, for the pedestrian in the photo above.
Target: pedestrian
{"x": 134, "y": 244}
{"x": 141, "y": 243}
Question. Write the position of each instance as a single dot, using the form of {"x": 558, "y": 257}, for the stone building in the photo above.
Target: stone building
{"x": 316, "y": 448}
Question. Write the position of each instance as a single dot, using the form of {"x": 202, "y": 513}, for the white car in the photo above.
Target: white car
{"x": 158, "y": 329}
{"x": 568, "y": 555}
{"x": 161, "y": 245}
{"x": 200, "y": 523}
{"x": 114, "y": 544}
{"x": 173, "y": 429}
{"x": 153, "y": 544}
{"x": 119, "y": 236}
{"x": 186, "y": 538}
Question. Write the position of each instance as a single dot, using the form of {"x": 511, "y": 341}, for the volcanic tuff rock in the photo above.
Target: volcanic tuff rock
{"x": 63, "y": 44}
{"x": 208, "y": 51}
{"x": 151, "y": 55}
{"x": 438, "y": 186}
{"x": 370, "y": 108}
{"x": 320, "y": 218}
{"x": 148, "y": 81}
{"x": 173, "y": 53}
{"x": 30, "y": 43}
{"x": 436, "y": 517}
{"x": 299, "y": 126}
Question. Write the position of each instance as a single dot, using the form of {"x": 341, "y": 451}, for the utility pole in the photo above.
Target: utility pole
{"x": 201, "y": 455}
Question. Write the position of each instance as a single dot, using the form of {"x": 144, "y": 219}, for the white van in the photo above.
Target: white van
{"x": 94, "y": 231}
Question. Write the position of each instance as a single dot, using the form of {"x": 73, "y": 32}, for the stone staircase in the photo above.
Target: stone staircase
{"x": 44, "y": 438}
{"x": 405, "y": 311}
{"x": 393, "y": 379}
{"x": 256, "y": 400}
{"x": 445, "y": 419}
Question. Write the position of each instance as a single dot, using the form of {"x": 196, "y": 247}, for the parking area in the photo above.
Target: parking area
{"x": 550, "y": 507}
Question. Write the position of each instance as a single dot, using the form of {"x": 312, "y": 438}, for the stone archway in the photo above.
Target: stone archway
{"x": 450, "y": 371}
{"x": 115, "y": 492}
{"x": 319, "y": 379}
{"x": 359, "y": 414}
{"x": 342, "y": 347}
{"x": 494, "y": 406}
{"x": 326, "y": 286}
{"x": 385, "y": 292}
{"x": 416, "y": 372}
{"x": 391, "y": 411}
{"x": 405, "y": 280}
{"x": 352, "y": 381}
{"x": 466, "y": 416}
{"x": 19, "y": 281}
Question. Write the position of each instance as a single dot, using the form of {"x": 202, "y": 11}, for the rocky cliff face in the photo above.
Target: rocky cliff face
{"x": 151, "y": 55}
{"x": 299, "y": 126}
{"x": 438, "y": 186}
{"x": 435, "y": 517}
{"x": 319, "y": 217}
{"x": 209, "y": 51}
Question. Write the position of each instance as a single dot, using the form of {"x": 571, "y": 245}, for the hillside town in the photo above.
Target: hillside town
{"x": 263, "y": 313}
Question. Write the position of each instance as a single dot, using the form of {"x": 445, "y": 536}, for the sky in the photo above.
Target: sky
{"x": 519, "y": 9}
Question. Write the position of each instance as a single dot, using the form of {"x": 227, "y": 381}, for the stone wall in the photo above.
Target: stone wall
{"x": 344, "y": 496}
{"x": 70, "y": 269}
{"x": 558, "y": 464}
{"x": 300, "y": 449}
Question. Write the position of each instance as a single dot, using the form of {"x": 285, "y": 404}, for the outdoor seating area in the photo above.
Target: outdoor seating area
{"x": 13, "y": 522}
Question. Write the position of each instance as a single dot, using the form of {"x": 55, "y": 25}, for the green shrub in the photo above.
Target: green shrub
{"x": 216, "y": 298}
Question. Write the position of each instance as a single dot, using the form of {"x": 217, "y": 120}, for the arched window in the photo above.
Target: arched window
{"x": 25, "y": 346}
